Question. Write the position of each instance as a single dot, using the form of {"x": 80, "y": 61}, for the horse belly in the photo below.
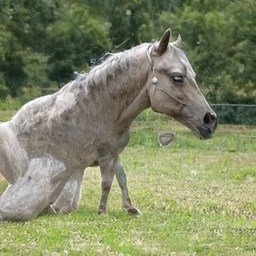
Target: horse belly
{"x": 76, "y": 156}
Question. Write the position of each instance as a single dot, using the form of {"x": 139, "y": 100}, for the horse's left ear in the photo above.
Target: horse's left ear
{"x": 163, "y": 43}
{"x": 178, "y": 41}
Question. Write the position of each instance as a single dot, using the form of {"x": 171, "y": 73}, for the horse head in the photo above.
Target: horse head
{"x": 173, "y": 90}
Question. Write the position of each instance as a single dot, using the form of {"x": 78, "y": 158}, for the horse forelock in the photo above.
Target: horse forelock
{"x": 183, "y": 58}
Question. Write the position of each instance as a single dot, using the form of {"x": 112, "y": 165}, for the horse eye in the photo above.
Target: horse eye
{"x": 177, "y": 78}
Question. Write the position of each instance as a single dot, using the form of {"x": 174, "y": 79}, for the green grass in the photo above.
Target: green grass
{"x": 197, "y": 198}
{"x": 5, "y": 115}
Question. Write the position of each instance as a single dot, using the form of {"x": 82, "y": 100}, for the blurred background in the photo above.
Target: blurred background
{"x": 43, "y": 42}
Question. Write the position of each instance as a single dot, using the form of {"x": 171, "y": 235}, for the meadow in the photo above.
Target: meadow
{"x": 196, "y": 198}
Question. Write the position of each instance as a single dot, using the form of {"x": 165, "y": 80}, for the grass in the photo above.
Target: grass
{"x": 5, "y": 115}
{"x": 197, "y": 198}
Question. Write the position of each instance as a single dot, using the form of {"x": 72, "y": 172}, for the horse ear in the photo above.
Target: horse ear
{"x": 163, "y": 43}
{"x": 178, "y": 42}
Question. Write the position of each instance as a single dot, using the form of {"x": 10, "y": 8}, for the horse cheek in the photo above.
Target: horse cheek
{"x": 160, "y": 103}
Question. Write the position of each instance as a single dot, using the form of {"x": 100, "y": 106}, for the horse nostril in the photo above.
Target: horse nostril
{"x": 210, "y": 118}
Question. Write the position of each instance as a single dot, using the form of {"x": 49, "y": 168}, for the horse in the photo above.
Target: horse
{"x": 47, "y": 145}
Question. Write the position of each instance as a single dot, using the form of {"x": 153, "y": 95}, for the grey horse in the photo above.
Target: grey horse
{"x": 46, "y": 146}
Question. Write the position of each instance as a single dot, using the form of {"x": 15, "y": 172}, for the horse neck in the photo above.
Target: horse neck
{"x": 134, "y": 98}
{"x": 124, "y": 87}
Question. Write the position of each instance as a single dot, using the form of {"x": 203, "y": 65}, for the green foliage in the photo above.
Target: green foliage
{"x": 23, "y": 33}
{"x": 73, "y": 40}
{"x": 43, "y": 42}
{"x": 221, "y": 47}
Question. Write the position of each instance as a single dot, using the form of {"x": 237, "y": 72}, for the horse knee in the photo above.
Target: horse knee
{"x": 31, "y": 194}
{"x": 22, "y": 201}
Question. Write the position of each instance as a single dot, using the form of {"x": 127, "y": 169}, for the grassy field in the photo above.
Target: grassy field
{"x": 197, "y": 198}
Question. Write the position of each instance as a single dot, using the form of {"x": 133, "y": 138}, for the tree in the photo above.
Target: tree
{"x": 221, "y": 46}
{"x": 11, "y": 59}
{"x": 22, "y": 35}
{"x": 73, "y": 41}
{"x": 44, "y": 42}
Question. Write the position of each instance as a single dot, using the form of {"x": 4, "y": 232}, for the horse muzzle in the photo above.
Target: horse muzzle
{"x": 210, "y": 122}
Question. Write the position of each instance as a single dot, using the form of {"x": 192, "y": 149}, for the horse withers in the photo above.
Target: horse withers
{"x": 46, "y": 146}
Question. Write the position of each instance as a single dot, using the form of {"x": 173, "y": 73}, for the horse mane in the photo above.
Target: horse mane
{"x": 113, "y": 66}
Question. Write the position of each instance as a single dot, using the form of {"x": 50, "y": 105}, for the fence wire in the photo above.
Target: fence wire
{"x": 235, "y": 113}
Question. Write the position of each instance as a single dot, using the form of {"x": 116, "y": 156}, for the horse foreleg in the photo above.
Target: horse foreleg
{"x": 122, "y": 181}
{"x": 107, "y": 170}
{"x": 32, "y": 193}
{"x": 70, "y": 196}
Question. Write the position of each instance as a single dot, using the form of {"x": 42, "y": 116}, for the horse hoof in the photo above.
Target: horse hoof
{"x": 134, "y": 211}
{"x": 102, "y": 212}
